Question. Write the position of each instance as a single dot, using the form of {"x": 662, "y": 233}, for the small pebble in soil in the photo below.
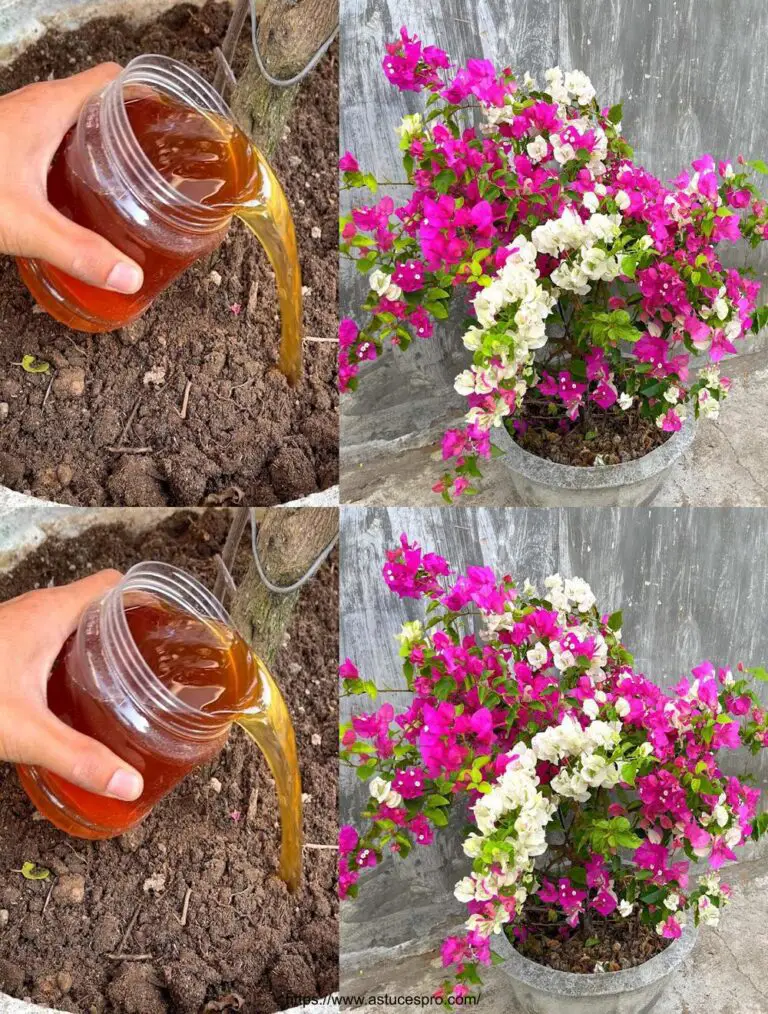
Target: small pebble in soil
{"x": 4, "y": 917}
{"x": 64, "y": 981}
{"x": 215, "y": 784}
{"x": 317, "y": 739}
{"x": 215, "y": 277}
{"x": 70, "y": 383}
{"x": 5, "y": 408}
{"x": 155, "y": 883}
{"x": 69, "y": 889}
{"x": 155, "y": 376}
{"x": 317, "y": 232}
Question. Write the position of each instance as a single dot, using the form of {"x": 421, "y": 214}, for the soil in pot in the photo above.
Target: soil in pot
{"x": 609, "y": 943}
{"x": 603, "y": 436}
{"x": 246, "y": 939}
{"x": 246, "y": 435}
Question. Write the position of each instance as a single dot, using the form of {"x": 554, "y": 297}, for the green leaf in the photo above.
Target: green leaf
{"x": 444, "y": 181}
{"x": 366, "y": 771}
{"x": 629, "y": 265}
{"x": 444, "y": 688}
{"x": 759, "y": 166}
{"x": 759, "y": 674}
{"x": 653, "y": 896}
{"x": 30, "y": 871}
{"x": 628, "y": 840}
{"x": 31, "y": 364}
{"x": 438, "y": 818}
{"x": 760, "y": 826}
{"x": 615, "y": 113}
{"x": 760, "y": 318}
{"x": 615, "y": 620}
{"x": 438, "y": 310}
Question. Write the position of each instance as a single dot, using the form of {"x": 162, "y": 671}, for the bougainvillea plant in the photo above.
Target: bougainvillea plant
{"x": 590, "y": 790}
{"x": 591, "y": 282}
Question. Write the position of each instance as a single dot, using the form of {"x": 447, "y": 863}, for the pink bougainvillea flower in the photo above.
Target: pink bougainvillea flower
{"x": 348, "y": 670}
{"x": 348, "y": 163}
{"x": 348, "y": 839}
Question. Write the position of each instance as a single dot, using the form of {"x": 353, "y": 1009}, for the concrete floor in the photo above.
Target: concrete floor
{"x": 726, "y": 974}
{"x": 727, "y": 466}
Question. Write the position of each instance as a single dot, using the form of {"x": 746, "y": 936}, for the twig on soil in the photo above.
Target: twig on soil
{"x": 224, "y": 69}
{"x": 131, "y": 417}
{"x": 48, "y": 897}
{"x": 225, "y": 575}
{"x": 129, "y": 957}
{"x": 48, "y": 391}
{"x": 78, "y": 347}
{"x": 312, "y": 845}
{"x": 253, "y": 803}
{"x": 226, "y": 54}
{"x": 129, "y": 450}
{"x": 228, "y": 553}
{"x": 185, "y": 400}
{"x": 185, "y": 906}
{"x": 128, "y": 931}
{"x": 329, "y": 341}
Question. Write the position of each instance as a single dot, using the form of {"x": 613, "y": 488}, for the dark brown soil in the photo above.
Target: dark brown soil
{"x": 610, "y": 434}
{"x": 246, "y": 938}
{"x": 247, "y": 435}
{"x": 614, "y": 944}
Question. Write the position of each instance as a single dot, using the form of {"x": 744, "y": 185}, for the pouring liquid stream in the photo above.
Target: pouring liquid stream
{"x": 271, "y": 730}
{"x": 207, "y": 667}
{"x": 214, "y": 170}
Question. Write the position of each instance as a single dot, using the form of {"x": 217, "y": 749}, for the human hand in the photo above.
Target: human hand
{"x": 33, "y": 122}
{"x": 33, "y": 629}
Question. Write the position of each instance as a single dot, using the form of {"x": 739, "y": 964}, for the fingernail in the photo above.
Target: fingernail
{"x": 125, "y": 278}
{"x": 125, "y": 785}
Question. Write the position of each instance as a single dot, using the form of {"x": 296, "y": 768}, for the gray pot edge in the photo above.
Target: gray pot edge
{"x": 551, "y": 474}
{"x": 601, "y": 984}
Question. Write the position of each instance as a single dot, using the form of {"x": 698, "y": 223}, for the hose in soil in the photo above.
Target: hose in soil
{"x": 277, "y": 589}
{"x": 286, "y": 82}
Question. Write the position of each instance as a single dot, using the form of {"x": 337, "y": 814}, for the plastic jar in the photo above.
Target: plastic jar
{"x": 102, "y": 686}
{"x": 102, "y": 178}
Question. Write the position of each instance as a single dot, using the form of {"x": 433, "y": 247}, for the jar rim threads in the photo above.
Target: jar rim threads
{"x": 171, "y": 585}
{"x": 175, "y": 79}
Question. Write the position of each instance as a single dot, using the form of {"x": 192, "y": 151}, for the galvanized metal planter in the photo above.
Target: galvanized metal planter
{"x": 539, "y": 482}
{"x": 537, "y": 989}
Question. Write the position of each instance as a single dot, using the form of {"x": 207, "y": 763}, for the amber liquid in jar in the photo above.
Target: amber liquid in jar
{"x": 207, "y": 160}
{"x": 201, "y": 156}
{"x": 201, "y": 662}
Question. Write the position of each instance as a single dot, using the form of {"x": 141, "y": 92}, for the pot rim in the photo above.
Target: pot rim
{"x": 595, "y": 477}
{"x": 598, "y": 984}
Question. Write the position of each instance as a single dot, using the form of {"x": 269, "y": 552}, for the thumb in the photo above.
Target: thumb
{"x": 81, "y": 253}
{"x": 79, "y": 759}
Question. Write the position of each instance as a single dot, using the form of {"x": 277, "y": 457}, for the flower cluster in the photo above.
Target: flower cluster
{"x": 591, "y": 282}
{"x": 591, "y": 790}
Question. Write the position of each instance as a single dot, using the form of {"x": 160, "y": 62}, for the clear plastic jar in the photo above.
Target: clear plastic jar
{"x": 103, "y": 686}
{"x": 119, "y": 172}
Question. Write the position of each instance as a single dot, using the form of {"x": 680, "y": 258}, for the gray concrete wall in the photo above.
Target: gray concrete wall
{"x": 692, "y": 584}
{"x": 693, "y": 78}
